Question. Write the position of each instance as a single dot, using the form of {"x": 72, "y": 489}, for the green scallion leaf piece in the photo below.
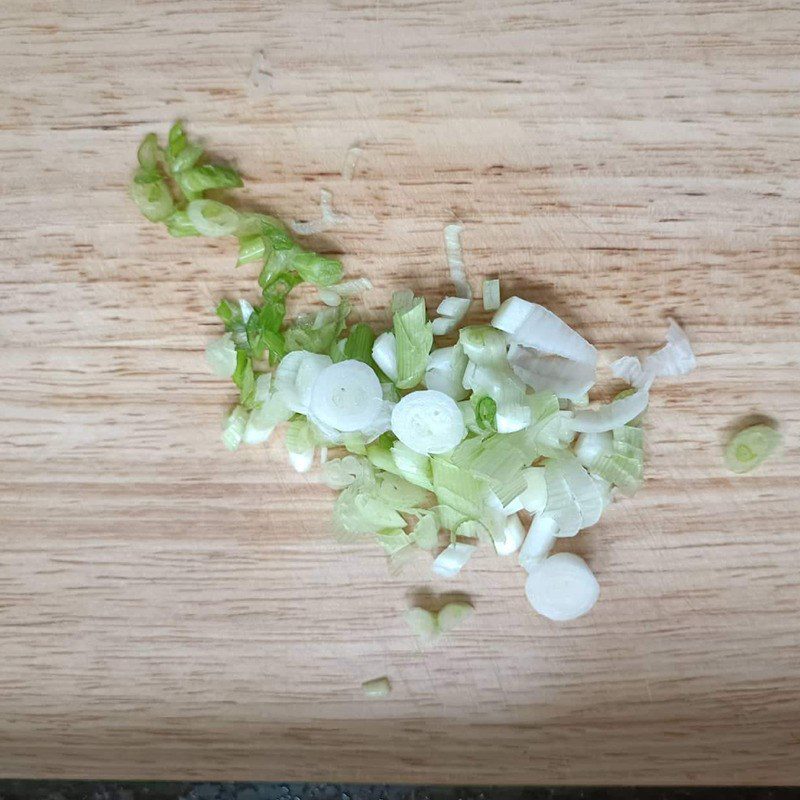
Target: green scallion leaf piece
{"x": 414, "y": 339}
{"x": 359, "y": 343}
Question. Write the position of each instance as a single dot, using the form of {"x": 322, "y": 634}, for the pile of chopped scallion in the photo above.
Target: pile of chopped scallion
{"x": 434, "y": 449}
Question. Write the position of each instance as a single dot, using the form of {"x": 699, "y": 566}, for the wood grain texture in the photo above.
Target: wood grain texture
{"x": 171, "y": 611}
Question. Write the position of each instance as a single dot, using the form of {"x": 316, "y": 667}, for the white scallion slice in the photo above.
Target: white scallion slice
{"x": 221, "y": 356}
{"x": 491, "y": 294}
{"x": 539, "y": 542}
{"x": 428, "y": 422}
{"x": 450, "y": 561}
{"x": 296, "y": 375}
{"x": 384, "y": 354}
{"x": 562, "y": 588}
{"x": 347, "y": 396}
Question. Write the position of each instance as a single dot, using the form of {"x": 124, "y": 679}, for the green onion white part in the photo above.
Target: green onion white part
{"x": 428, "y": 422}
{"x": 491, "y": 294}
{"x": 346, "y": 396}
{"x": 562, "y": 587}
{"x": 450, "y": 561}
{"x": 384, "y": 354}
{"x": 221, "y": 356}
{"x": 453, "y": 309}
{"x": 513, "y": 536}
{"x": 539, "y": 542}
{"x": 296, "y": 375}
{"x": 433, "y": 452}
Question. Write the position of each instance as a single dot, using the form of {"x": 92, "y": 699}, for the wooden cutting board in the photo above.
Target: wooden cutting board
{"x": 169, "y": 610}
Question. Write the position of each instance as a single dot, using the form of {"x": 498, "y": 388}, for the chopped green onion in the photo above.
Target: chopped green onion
{"x": 486, "y": 414}
{"x": 221, "y": 356}
{"x": 359, "y": 509}
{"x": 452, "y": 615}
{"x": 393, "y": 540}
{"x": 413, "y": 337}
{"x": 384, "y": 354}
{"x": 426, "y": 532}
{"x": 445, "y": 371}
{"x": 317, "y": 269}
{"x": 154, "y": 200}
{"x": 195, "y": 181}
{"x": 459, "y": 489}
{"x": 298, "y": 436}
{"x": 491, "y": 294}
{"x": 359, "y": 343}
{"x": 377, "y": 687}
{"x": 532, "y": 325}
{"x": 483, "y": 345}
{"x": 346, "y": 396}
{"x": 149, "y": 152}
{"x": 423, "y": 624}
{"x": 455, "y": 260}
{"x": 612, "y": 415}
{"x": 244, "y": 377}
{"x": 295, "y": 377}
{"x": 452, "y": 559}
{"x": 233, "y": 428}
{"x": 413, "y": 466}
{"x": 402, "y": 494}
{"x": 750, "y": 447}
{"x": 211, "y": 218}
{"x": 318, "y": 333}
{"x": 513, "y": 536}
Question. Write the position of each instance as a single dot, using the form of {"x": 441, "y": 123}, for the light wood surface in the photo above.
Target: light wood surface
{"x": 168, "y": 610}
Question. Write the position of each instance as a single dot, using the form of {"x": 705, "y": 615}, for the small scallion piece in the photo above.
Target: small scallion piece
{"x": 751, "y": 447}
